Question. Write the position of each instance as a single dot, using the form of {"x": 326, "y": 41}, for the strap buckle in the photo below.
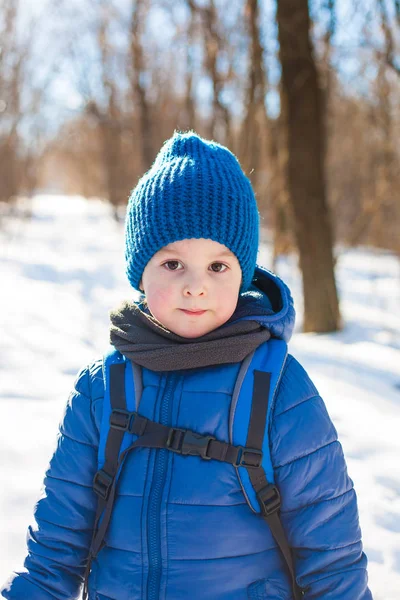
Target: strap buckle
{"x": 270, "y": 499}
{"x": 174, "y": 439}
{"x": 185, "y": 442}
{"x": 102, "y": 483}
{"x": 196, "y": 445}
{"x": 121, "y": 419}
{"x": 248, "y": 457}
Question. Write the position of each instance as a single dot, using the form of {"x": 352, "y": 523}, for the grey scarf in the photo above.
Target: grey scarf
{"x": 141, "y": 338}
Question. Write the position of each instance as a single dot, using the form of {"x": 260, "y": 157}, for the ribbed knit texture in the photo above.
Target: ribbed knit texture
{"x": 195, "y": 189}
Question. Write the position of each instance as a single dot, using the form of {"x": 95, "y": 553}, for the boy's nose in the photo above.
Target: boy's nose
{"x": 194, "y": 288}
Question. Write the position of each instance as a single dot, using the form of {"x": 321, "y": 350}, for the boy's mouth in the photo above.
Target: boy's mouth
{"x": 193, "y": 312}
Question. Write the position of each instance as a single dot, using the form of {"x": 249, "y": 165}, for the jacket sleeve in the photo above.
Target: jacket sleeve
{"x": 59, "y": 539}
{"x": 319, "y": 506}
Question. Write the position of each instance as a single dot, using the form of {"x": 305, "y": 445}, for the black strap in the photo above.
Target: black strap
{"x": 104, "y": 478}
{"x": 150, "y": 435}
{"x": 267, "y": 493}
{"x": 155, "y": 435}
{"x": 184, "y": 441}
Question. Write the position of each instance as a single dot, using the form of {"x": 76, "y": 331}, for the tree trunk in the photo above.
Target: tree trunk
{"x": 256, "y": 88}
{"x": 138, "y": 17}
{"x": 11, "y": 71}
{"x": 306, "y": 180}
{"x": 109, "y": 122}
{"x": 282, "y": 220}
{"x": 220, "y": 126}
{"x": 190, "y": 109}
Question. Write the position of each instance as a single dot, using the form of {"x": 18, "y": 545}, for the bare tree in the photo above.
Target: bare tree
{"x": 255, "y": 119}
{"x": 282, "y": 217}
{"x": 109, "y": 117}
{"x": 326, "y": 69}
{"x": 220, "y": 122}
{"x": 305, "y": 137}
{"x": 258, "y": 130}
{"x": 375, "y": 217}
{"x": 190, "y": 108}
{"x": 389, "y": 54}
{"x": 138, "y": 21}
{"x": 11, "y": 65}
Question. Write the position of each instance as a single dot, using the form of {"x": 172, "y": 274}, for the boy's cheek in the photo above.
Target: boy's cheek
{"x": 161, "y": 298}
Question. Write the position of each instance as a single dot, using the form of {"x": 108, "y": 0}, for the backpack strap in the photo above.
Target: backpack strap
{"x": 262, "y": 372}
{"x": 124, "y": 430}
{"x": 120, "y": 422}
{"x": 116, "y": 378}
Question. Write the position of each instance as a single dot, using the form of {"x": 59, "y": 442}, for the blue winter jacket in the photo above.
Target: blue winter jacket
{"x": 181, "y": 528}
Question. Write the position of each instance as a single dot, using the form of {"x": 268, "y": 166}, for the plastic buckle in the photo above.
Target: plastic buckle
{"x": 171, "y": 440}
{"x": 196, "y": 445}
{"x": 244, "y": 461}
{"x": 270, "y": 499}
{"x": 121, "y": 419}
{"x": 102, "y": 483}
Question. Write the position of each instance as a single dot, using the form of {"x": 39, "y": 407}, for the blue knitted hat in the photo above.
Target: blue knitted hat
{"x": 195, "y": 189}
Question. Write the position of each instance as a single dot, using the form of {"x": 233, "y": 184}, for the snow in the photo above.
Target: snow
{"x": 62, "y": 271}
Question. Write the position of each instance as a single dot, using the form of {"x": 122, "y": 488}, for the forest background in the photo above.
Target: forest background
{"x": 305, "y": 93}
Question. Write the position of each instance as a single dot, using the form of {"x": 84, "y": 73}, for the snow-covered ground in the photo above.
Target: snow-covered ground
{"x": 61, "y": 273}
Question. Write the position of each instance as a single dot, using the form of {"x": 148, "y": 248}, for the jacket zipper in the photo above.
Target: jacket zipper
{"x": 153, "y": 515}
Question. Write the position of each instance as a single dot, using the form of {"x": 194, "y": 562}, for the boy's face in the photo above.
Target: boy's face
{"x": 192, "y": 274}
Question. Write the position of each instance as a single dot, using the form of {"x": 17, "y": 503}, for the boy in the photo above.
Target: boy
{"x": 181, "y": 526}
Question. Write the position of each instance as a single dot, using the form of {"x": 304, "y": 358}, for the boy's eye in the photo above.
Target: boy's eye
{"x": 219, "y": 265}
{"x": 172, "y": 262}
{"x": 172, "y": 266}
